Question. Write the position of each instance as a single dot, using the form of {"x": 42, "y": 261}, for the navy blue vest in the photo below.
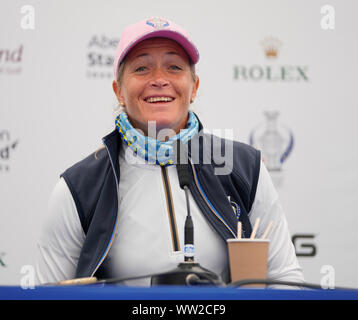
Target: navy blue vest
{"x": 94, "y": 181}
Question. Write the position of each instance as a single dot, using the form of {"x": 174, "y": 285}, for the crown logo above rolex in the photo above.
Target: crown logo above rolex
{"x": 271, "y": 47}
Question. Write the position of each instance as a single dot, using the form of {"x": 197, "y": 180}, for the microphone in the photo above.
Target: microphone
{"x": 188, "y": 272}
{"x": 182, "y": 165}
{"x": 184, "y": 181}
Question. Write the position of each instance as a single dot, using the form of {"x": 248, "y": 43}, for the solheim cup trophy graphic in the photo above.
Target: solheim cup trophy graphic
{"x": 275, "y": 141}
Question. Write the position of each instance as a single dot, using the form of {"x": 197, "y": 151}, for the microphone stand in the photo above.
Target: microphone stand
{"x": 187, "y": 272}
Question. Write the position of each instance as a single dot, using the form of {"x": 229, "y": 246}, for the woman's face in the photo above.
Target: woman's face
{"x": 157, "y": 85}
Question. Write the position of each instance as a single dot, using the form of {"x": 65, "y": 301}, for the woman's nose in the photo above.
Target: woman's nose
{"x": 159, "y": 80}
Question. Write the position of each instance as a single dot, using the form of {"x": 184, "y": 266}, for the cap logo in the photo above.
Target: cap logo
{"x": 157, "y": 23}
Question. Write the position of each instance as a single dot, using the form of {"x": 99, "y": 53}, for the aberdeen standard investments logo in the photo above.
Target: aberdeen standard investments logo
{"x": 100, "y": 57}
{"x": 271, "y": 71}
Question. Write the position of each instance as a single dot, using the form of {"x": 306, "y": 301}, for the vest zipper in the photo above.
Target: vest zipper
{"x": 116, "y": 223}
{"x": 206, "y": 200}
{"x": 170, "y": 208}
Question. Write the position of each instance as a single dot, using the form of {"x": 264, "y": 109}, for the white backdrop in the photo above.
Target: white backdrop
{"x": 56, "y": 102}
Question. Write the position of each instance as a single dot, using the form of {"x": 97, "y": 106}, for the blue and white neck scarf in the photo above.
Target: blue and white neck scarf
{"x": 150, "y": 149}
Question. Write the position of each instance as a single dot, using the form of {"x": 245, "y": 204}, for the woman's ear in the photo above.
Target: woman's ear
{"x": 117, "y": 92}
{"x": 116, "y": 89}
{"x": 195, "y": 89}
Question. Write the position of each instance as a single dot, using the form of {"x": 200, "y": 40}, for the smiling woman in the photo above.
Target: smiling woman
{"x": 157, "y": 85}
{"x": 120, "y": 212}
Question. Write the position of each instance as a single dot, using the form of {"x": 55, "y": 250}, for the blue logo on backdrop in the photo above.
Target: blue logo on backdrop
{"x": 274, "y": 140}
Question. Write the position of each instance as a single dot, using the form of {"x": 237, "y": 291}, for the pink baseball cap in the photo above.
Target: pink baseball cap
{"x": 150, "y": 28}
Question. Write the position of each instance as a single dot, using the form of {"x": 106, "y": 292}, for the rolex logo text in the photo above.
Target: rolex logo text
{"x": 271, "y": 71}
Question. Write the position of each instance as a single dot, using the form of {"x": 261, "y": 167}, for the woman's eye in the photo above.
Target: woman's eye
{"x": 140, "y": 69}
{"x": 174, "y": 67}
